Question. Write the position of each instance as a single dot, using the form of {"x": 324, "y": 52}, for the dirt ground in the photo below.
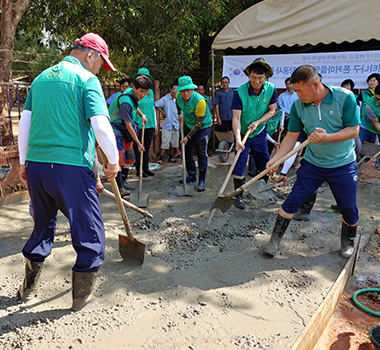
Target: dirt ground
{"x": 197, "y": 289}
{"x": 349, "y": 327}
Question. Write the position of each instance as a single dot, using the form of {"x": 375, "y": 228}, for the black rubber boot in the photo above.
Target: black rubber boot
{"x": 303, "y": 213}
{"x": 124, "y": 175}
{"x": 278, "y": 231}
{"x": 191, "y": 177}
{"x": 123, "y": 192}
{"x": 32, "y": 274}
{"x": 202, "y": 180}
{"x": 239, "y": 197}
{"x": 347, "y": 241}
{"x": 83, "y": 283}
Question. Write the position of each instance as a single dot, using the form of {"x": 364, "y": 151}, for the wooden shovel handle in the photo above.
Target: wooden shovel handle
{"x": 232, "y": 167}
{"x": 273, "y": 166}
{"x": 118, "y": 199}
{"x": 128, "y": 204}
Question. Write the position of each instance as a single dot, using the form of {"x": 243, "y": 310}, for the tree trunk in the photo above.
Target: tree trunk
{"x": 11, "y": 14}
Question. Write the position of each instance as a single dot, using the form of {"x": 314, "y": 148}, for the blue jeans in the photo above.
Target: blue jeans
{"x": 366, "y": 135}
{"x": 70, "y": 189}
{"x": 197, "y": 145}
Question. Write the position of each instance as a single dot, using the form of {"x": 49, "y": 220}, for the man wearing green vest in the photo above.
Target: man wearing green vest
{"x": 253, "y": 104}
{"x": 124, "y": 111}
{"x": 371, "y": 117}
{"x": 64, "y": 113}
{"x": 146, "y": 106}
{"x": 196, "y": 116}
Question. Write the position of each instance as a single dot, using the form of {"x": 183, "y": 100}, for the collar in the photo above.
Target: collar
{"x": 73, "y": 60}
{"x": 328, "y": 98}
{"x": 251, "y": 92}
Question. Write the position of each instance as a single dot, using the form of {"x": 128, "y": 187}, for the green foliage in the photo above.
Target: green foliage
{"x": 163, "y": 36}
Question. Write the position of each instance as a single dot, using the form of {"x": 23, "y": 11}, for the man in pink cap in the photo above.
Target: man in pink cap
{"x": 65, "y": 112}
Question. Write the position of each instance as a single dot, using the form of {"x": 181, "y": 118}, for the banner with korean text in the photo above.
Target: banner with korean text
{"x": 333, "y": 66}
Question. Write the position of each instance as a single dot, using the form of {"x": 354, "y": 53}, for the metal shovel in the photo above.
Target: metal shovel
{"x": 186, "y": 189}
{"x": 223, "y": 202}
{"x": 230, "y": 170}
{"x": 129, "y": 247}
{"x": 140, "y": 199}
{"x": 260, "y": 190}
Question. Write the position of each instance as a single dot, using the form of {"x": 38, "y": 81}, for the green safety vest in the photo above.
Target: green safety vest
{"x": 367, "y": 122}
{"x": 254, "y": 107}
{"x": 188, "y": 110}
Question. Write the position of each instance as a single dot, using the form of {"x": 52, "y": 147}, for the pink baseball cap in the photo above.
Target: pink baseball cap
{"x": 96, "y": 42}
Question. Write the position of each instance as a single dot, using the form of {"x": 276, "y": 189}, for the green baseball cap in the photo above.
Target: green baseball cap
{"x": 185, "y": 83}
{"x": 142, "y": 71}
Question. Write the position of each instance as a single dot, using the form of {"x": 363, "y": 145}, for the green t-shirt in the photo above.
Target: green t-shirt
{"x": 254, "y": 107}
{"x": 189, "y": 108}
{"x": 62, "y": 100}
{"x": 336, "y": 111}
{"x": 146, "y": 106}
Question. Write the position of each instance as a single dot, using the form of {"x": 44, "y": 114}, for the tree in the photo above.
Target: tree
{"x": 11, "y": 14}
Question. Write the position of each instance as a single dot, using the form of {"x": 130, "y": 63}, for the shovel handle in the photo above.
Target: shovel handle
{"x": 266, "y": 171}
{"x": 118, "y": 198}
{"x": 183, "y": 153}
{"x": 128, "y": 204}
{"x": 230, "y": 170}
{"x": 232, "y": 167}
{"x": 141, "y": 159}
{"x": 123, "y": 213}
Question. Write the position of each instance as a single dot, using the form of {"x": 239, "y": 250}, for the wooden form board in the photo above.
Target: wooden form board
{"x": 318, "y": 323}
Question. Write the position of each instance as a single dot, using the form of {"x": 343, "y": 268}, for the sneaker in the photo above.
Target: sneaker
{"x": 160, "y": 160}
{"x": 144, "y": 174}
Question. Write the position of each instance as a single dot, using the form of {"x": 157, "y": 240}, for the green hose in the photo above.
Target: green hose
{"x": 367, "y": 290}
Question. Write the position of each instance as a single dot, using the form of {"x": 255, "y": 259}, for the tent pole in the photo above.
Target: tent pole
{"x": 213, "y": 97}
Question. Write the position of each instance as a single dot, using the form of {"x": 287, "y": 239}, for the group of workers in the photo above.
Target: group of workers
{"x": 66, "y": 113}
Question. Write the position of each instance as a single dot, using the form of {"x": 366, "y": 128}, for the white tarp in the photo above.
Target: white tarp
{"x": 334, "y": 66}
{"x": 301, "y": 22}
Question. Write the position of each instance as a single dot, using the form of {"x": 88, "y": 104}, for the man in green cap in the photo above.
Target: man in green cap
{"x": 253, "y": 104}
{"x": 196, "y": 116}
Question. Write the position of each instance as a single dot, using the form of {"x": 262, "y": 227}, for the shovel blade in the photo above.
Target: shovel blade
{"x": 131, "y": 249}
{"x": 223, "y": 203}
{"x": 140, "y": 199}
{"x": 185, "y": 190}
{"x": 259, "y": 190}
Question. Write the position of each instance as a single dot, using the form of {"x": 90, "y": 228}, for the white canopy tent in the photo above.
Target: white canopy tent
{"x": 300, "y": 22}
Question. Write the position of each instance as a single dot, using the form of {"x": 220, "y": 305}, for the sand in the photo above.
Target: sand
{"x": 197, "y": 289}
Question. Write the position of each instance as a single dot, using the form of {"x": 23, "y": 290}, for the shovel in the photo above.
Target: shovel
{"x": 260, "y": 190}
{"x": 237, "y": 155}
{"x": 128, "y": 204}
{"x": 129, "y": 247}
{"x": 186, "y": 189}
{"x": 224, "y": 202}
{"x": 139, "y": 198}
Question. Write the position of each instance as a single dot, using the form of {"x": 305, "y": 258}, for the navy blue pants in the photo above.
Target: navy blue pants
{"x": 259, "y": 150}
{"x": 148, "y": 137}
{"x": 197, "y": 145}
{"x": 342, "y": 182}
{"x": 70, "y": 189}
